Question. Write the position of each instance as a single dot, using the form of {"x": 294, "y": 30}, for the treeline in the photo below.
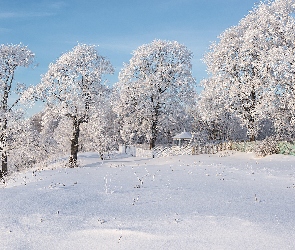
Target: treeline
{"x": 249, "y": 93}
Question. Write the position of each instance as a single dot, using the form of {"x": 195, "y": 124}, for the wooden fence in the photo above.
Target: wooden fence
{"x": 162, "y": 151}
{"x": 209, "y": 148}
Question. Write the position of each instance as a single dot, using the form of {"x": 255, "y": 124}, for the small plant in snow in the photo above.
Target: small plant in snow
{"x": 101, "y": 221}
{"x": 135, "y": 200}
{"x": 140, "y": 181}
{"x": 107, "y": 182}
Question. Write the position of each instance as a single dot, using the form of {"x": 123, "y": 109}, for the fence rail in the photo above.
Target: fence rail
{"x": 209, "y": 148}
{"x": 161, "y": 151}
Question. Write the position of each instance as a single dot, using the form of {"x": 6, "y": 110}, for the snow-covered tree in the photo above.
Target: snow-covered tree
{"x": 212, "y": 117}
{"x": 283, "y": 117}
{"x": 154, "y": 90}
{"x": 53, "y": 134}
{"x": 101, "y": 133}
{"x": 252, "y": 65}
{"x": 11, "y": 57}
{"x": 26, "y": 148}
{"x": 73, "y": 87}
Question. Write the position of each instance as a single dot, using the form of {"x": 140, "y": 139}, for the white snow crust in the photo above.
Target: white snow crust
{"x": 230, "y": 200}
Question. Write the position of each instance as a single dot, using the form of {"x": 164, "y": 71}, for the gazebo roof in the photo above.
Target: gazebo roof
{"x": 183, "y": 135}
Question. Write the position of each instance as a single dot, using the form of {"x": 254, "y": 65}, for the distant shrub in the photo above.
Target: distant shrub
{"x": 244, "y": 146}
{"x": 266, "y": 147}
{"x": 286, "y": 148}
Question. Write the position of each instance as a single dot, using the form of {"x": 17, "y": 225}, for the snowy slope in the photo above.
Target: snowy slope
{"x": 184, "y": 202}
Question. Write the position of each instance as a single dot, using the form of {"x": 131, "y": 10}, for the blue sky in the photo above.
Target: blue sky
{"x": 50, "y": 28}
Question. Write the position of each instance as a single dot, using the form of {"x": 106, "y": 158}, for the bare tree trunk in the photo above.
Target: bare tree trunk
{"x": 4, "y": 170}
{"x": 4, "y": 159}
{"x": 152, "y": 143}
{"x": 154, "y": 131}
{"x": 74, "y": 143}
{"x": 3, "y": 150}
{"x": 251, "y": 118}
{"x": 154, "y": 127}
{"x": 4, "y": 109}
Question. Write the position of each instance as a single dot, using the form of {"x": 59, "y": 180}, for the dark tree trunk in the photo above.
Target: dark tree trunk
{"x": 152, "y": 143}
{"x": 252, "y": 138}
{"x": 251, "y": 127}
{"x": 3, "y": 137}
{"x": 74, "y": 143}
{"x": 4, "y": 170}
{"x": 154, "y": 133}
{"x": 4, "y": 159}
{"x": 154, "y": 127}
{"x": 3, "y": 150}
{"x": 250, "y": 117}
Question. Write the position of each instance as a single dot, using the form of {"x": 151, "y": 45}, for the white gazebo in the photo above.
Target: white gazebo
{"x": 182, "y": 138}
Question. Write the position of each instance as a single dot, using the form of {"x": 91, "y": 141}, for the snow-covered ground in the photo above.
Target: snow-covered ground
{"x": 235, "y": 201}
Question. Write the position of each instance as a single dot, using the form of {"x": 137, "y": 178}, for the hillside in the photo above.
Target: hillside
{"x": 225, "y": 201}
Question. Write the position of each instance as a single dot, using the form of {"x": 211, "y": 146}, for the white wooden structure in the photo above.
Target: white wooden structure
{"x": 182, "y": 138}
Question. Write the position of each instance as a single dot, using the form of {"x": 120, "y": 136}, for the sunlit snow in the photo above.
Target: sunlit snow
{"x": 225, "y": 201}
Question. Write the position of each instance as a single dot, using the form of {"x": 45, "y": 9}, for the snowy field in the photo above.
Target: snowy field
{"x": 226, "y": 201}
